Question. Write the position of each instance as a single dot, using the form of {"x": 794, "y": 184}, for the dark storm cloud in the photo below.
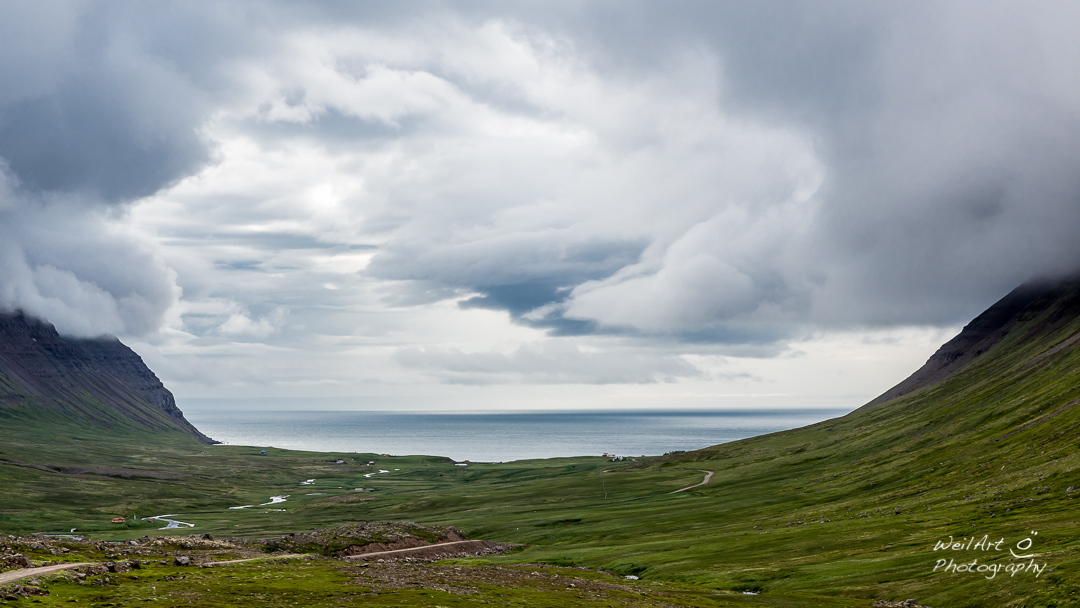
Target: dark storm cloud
{"x": 88, "y": 119}
{"x": 518, "y": 275}
{"x": 88, "y": 108}
{"x": 948, "y": 132}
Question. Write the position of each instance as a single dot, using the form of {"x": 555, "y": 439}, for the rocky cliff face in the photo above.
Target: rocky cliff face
{"x": 98, "y": 381}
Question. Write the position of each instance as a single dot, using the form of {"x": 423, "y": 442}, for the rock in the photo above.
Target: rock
{"x": 16, "y": 592}
{"x": 97, "y": 569}
{"x": 135, "y": 564}
{"x": 182, "y": 560}
{"x": 207, "y": 537}
{"x": 19, "y": 560}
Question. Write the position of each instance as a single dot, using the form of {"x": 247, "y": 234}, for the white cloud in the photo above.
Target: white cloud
{"x": 550, "y": 361}
{"x": 240, "y": 323}
{"x": 78, "y": 267}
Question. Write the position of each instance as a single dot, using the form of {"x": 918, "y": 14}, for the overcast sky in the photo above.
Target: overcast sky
{"x": 534, "y": 205}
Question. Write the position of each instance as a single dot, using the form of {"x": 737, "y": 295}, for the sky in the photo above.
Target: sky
{"x": 523, "y": 205}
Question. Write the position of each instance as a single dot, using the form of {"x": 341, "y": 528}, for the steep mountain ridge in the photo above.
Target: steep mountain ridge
{"x": 1061, "y": 297}
{"x": 98, "y": 382}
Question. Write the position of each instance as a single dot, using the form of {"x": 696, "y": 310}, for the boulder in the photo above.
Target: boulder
{"x": 182, "y": 560}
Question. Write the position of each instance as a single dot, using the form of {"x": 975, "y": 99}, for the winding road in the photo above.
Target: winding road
{"x": 708, "y": 476}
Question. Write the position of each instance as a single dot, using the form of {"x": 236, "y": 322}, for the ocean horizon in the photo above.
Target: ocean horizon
{"x": 498, "y": 436}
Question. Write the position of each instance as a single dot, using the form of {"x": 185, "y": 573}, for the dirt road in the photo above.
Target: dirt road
{"x": 15, "y": 575}
{"x": 708, "y": 476}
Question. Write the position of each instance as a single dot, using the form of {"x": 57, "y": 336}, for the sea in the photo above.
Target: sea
{"x": 498, "y": 436}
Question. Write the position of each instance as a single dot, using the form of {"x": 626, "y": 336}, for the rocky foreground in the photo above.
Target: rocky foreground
{"x": 97, "y": 562}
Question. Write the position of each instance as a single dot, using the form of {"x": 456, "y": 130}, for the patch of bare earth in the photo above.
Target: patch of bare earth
{"x": 417, "y": 550}
{"x": 466, "y": 580}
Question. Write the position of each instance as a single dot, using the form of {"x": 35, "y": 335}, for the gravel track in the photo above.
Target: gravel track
{"x": 708, "y": 476}
{"x": 15, "y": 575}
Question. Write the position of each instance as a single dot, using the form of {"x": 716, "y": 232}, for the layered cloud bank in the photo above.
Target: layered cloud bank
{"x": 476, "y": 193}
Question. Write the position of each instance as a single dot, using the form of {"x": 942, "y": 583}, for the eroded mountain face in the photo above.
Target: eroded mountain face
{"x": 98, "y": 381}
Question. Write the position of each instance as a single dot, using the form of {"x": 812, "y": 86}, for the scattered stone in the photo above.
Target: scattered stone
{"x": 182, "y": 560}
{"x": 15, "y": 592}
{"x": 118, "y": 567}
{"x": 18, "y": 560}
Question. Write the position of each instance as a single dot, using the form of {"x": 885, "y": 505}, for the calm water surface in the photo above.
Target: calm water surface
{"x": 497, "y": 437}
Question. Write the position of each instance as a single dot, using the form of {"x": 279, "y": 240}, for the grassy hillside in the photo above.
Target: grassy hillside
{"x": 849, "y": 509}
